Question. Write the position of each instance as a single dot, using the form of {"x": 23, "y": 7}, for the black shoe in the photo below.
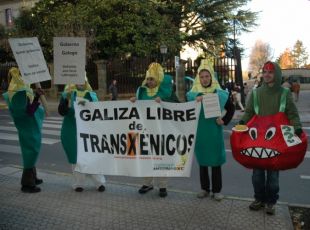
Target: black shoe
{"x": 163, "y": 192}
{"x": 101, "y": 188}
{"x": 38, "y": 181}
{"x": 30, "y": 189}
{"x": 145, "y": 189}
{"x": 79, "y": 189}
{"x": 256, "y": 205}
{"x": 270, "y": 209}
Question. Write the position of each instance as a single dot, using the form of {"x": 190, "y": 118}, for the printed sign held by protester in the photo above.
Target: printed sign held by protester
{"x": 30, "y": 60}
{"x": 69, "y": 60}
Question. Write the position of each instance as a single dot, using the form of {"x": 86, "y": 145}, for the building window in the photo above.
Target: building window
{"x": 8, "y": 17}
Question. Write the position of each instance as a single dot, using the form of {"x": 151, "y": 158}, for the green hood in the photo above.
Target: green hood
{"x": 278, "y": 78}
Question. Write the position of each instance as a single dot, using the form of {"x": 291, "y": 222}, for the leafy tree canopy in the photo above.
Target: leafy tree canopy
{"x": 117, "y": 27}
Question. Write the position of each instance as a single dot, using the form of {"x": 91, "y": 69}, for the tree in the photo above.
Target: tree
{"x": 260, "y": 53}
{"x": 117, "y": 27}
{"x": 299, "y": 54}
{"x": 210, "y": 23}
{"x": 285, "y": 60}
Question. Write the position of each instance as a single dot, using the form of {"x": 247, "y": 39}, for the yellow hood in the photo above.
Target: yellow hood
{"x": 197, "y": 87}
{"x": 16, "y": 84}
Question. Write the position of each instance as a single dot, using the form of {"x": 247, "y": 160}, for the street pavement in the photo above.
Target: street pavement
{"x": 57, "y": 206}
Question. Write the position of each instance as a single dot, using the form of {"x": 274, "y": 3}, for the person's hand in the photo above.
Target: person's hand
{"x": 199, "y": 98}
{"x": 133, "y": 99}
{"x": 157, "y": 99}
{"x": 219, "y": 121}
{"x": 39, "y": 91}
{"x": 82, "y": 103}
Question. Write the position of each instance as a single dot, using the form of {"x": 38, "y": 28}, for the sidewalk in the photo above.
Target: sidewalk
{"x": 57, "y": 206}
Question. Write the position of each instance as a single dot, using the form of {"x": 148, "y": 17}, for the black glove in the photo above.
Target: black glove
{"x": 298, "y": 132}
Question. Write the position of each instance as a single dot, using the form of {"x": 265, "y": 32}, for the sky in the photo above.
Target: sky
{"x": 280, "y": 23}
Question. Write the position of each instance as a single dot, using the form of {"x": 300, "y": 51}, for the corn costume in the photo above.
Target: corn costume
{"x": 69, "y": 132}
{"x": 163, "y": 90}
{"x": 28, "y": 117}
{"x": 209, "y": 147}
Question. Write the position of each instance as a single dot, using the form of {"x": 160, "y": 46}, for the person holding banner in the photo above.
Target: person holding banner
{"x": 209, "y": 147}
{"x": 156, "y": 86}
{"x": 69, "y": 132}
{"x": 28, "y": 118}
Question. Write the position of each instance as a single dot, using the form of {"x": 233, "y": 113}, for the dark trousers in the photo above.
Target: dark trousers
{"x": 266, "y": 185}
{"x": 216, "y": 179}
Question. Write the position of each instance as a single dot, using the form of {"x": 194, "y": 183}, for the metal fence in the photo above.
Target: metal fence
{"x": 130, "y": 72}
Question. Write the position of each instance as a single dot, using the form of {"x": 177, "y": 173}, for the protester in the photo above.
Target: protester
{"x": 296, "y": 89}
{"x": 4, "y": 85}
{"x": 287, "y": 84}
{"x": 256, "y": 84}
{"x": 113, "y": 90}
{"x": 209, "y": 147}
{"x": 69, "y": 132}
{"x": 236, "y": 93}
{"x": 28, "y": 117}
{"x": 266, "y": 100}
{"x": 158, "y": 87}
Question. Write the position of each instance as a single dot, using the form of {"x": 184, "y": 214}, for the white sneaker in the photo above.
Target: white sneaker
{"x": 218, "y": 196}
{"x": 202, "y": 194}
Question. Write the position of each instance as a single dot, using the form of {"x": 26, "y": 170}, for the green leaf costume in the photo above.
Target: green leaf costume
{"x": 165, "y": 91}
{"x": 28, "y": 127}
{"x": 68, "y": 129}
{"x": 209, "y": 147}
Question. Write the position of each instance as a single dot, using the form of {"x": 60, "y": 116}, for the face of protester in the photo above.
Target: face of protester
{"x": 151, "y": 83}
{"x": 205, "y": 78}
{"x": 80, "y": 87}
{"x": 269, "y": 77}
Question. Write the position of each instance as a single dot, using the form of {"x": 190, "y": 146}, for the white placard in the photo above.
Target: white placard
{"x": 30, "y": 60}
{"x": 211, "y": 105}
{"x": 69, "y": 60}
{"x": 140, "y": 139}
{"x": 289, "y": 135}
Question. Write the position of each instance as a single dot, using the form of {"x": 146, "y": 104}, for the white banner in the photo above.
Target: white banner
{"x": 139, "y": 139}
{"x": 69, "y": 60}
{"x": 30, "y": 60}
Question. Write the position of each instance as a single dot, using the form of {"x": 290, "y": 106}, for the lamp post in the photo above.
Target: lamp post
{"x": 238, "y": 67}
{"x": 163, "y": 51}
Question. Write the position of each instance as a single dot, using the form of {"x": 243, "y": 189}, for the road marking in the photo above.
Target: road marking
{"x": 10, "y": 149}
{"x": 55, "y": 118}
{"x": 14, "y": 137}
{"x": 46, "y": 125}
{"x": 53, "y": 122}
{"x": 44, "y": 131}
{"x": 305, "y": 177}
